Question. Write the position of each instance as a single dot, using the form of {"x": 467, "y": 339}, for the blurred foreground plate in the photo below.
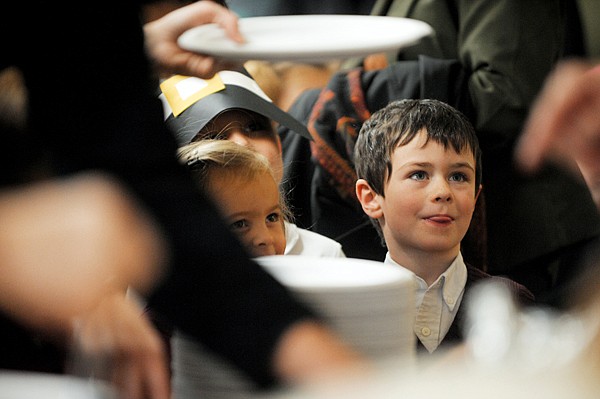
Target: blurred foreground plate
{"x": 307, "y": 38}
{"x": 26, "y": 385}
{"x": 330, "y": 275}
{"x": 370, "y": 304}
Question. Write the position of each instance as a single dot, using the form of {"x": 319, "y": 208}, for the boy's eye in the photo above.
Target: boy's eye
{"x": 239, "y": 224}
{"x": 419, "y": 175}
{"x": 273, "y": 217}
{"x": 459, "y": 177}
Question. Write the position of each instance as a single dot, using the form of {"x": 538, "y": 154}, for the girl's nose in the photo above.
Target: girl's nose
{"x": 263, "y": 241}
{"x": 238, "y": 136}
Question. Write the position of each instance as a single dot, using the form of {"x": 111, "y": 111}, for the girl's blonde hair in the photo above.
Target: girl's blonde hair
{"x": 205, "y": 157}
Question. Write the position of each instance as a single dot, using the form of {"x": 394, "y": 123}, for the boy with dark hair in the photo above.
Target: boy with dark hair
{"x": 419, "y": 175}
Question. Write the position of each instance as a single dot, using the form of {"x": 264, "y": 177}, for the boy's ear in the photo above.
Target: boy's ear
{"x": 478, "y": 192}
{"x": 368, "y": 199}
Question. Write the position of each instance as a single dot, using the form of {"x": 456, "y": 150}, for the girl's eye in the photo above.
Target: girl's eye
{"x": 459, "y": 177}
{"x": 239, "y": 224}
{"x": 419, "y": 175}
{"x": 273, "y": 217}
{"x": 256, "y": 129}
{"x": 252, "y": 127}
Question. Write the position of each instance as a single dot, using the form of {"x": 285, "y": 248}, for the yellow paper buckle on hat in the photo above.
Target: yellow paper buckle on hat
{"x": 183, "y": 91}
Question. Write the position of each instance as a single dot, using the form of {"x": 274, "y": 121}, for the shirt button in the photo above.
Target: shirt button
{"x": 426, "y": 331}
{"x": 450, "y": 301}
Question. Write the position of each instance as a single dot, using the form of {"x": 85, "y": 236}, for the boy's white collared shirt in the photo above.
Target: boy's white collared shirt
{"x": 437, "y": 305}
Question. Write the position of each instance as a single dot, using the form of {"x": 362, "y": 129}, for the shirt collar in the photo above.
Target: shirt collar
{"x": 292, "y": 236}
{"x": 453, "y": 280}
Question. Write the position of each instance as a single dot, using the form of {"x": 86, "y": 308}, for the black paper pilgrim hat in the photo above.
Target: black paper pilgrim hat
{"x": 189, "y": 103}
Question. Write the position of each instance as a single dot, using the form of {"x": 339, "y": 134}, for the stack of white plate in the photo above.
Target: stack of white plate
{"x": 369, "y": 304}
{"x": 28, "y": 385}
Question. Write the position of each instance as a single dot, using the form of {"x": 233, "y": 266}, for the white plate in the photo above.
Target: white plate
{"x": 330, "y": 275}
{"x": 307, "y": 38}
{"x": 26, "y": 385}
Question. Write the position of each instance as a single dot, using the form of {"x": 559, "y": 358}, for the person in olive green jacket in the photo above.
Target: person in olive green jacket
{"x": 489, "y": 59}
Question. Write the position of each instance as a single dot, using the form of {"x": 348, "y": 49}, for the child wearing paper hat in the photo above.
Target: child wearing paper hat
{"x": 189, "y": 98}
{"x": 232, "y": 106}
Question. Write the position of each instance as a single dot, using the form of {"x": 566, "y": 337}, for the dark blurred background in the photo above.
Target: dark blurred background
{"x": 252, "y": 8}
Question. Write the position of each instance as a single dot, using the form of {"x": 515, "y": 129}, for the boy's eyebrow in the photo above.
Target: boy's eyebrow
{"x": 463, "y": 165}
{"x": 429, "y": 164}
{"x": 416, "y": 164}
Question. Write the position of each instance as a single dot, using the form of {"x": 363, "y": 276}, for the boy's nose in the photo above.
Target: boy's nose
{"x": 443, "y": 198}
{"x": 442, "y": 192}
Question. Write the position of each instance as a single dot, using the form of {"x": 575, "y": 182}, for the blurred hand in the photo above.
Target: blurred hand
{"x": 161, "y": 39}
{"x": 375, "y": 62}
{"x": 65, "y": 243}
{"x": 564, "y": 124}
{"x": 310, "y": 353}
{"x": 117, "y": 343}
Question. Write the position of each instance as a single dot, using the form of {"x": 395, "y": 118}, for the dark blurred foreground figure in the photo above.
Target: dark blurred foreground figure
{"x": 92, "y": 107}
{"x": 282, "y": 7}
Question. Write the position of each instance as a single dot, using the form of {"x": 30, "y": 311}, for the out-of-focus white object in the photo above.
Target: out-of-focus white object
{"x": 25, "y": 385}
{"x": 369, "y": 304}
{"x": 307, "y": 38}
{"x": 509, "y": 352}
{"x": 534, "y": 339}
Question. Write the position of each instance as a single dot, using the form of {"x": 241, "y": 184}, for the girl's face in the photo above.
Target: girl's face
{"x": 249, "y": 129}
{"x": 252, "y": 210}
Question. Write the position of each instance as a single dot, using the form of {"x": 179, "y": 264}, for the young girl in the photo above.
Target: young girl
{"x": 242, "y": 185}
{"x": 232, "y": 107}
